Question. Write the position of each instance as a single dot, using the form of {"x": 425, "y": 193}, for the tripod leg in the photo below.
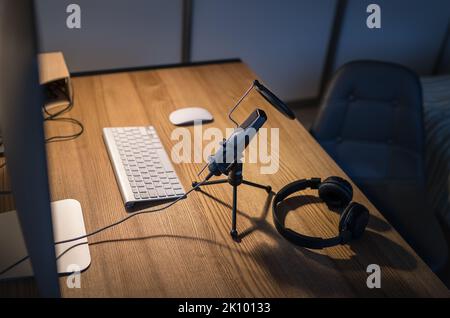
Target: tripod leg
{"x": 257, "y": 185}
{"x": 195, "y": 183}
{"x": 233, "y": 232}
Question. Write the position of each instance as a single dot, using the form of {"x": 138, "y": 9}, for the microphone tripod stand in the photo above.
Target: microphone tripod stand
{"x": 235, "y": 179}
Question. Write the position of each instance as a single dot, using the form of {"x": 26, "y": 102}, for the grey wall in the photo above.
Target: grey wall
{"x": 411, "y": 33}
{"x": 114, "y": 33}
{"x": 284, "y": 42}
{"x": 444, "y": 67}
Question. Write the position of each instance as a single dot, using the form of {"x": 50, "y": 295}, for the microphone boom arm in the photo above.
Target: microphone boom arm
{"x": 239, "y": 102}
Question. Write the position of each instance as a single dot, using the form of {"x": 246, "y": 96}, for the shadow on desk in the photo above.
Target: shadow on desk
{"x": 313, "y": 271}
{"x": 317, "y": 267}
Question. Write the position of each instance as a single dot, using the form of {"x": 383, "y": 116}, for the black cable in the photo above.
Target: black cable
{"x": 66, "y": 137}
{"x": 55, "y": 117}
{"x": 113, "y": 224}
{"x": 10, "y": 267}
{"x": 63, "y": 110}
{"x": 135, "y": 214}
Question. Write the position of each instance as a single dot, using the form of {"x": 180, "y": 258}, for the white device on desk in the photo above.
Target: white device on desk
{"x": 143, "y": 170}
{"x": 189, "y": 115}
{"x": 67, "y": 221}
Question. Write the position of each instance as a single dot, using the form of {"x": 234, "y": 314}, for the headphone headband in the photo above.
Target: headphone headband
{"x": 296, "y": 186}
{"x": 303, "y": 240}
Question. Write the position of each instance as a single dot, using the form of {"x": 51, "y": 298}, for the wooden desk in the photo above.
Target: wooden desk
{"x": 186, "y": 251}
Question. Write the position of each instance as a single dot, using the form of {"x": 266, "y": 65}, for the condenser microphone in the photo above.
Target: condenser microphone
{"x": 231, "y": 150}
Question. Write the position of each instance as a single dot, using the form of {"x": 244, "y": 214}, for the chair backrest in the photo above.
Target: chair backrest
{"x": 373, "y": 101}
{"x": 371, "y": 122}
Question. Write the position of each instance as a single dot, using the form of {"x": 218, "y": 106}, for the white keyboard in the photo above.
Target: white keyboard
{"x": 143, "y": 170}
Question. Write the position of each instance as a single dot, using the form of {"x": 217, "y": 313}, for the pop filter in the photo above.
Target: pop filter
{"x": 274, "y": 100}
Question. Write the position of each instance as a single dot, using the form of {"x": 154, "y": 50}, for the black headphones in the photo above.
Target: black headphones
{"x": 335, "y": 192}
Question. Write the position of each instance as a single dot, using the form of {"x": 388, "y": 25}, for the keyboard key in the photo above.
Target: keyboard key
{"x": 172, "y": 175}
{"x": 179, "y": 192}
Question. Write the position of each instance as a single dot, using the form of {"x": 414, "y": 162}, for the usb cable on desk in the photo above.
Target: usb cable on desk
{"x": 3, "y": 271}
{"x": 55, "y": 117}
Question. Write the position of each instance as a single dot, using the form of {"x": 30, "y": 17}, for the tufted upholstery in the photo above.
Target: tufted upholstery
{"x": 370, "y": 122}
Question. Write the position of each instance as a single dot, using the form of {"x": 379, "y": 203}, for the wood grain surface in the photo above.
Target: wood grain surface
{"x": 186, "y": 251}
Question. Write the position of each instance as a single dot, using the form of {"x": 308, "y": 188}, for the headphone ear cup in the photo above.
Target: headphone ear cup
{"x": 354, "y": 219}
{"x": 336, "y": 192}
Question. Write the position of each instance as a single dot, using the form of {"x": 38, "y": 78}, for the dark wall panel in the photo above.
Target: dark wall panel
{"x": 411, "y": 33}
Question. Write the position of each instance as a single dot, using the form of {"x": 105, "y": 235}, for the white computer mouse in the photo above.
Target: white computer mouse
{"x": 187, "y": 116}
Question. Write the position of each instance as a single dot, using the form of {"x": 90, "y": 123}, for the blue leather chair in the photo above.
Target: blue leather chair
{"x": 370, "y": 121}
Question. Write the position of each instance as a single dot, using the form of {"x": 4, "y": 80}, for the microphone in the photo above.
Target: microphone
{"x": 231, "y": 150}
